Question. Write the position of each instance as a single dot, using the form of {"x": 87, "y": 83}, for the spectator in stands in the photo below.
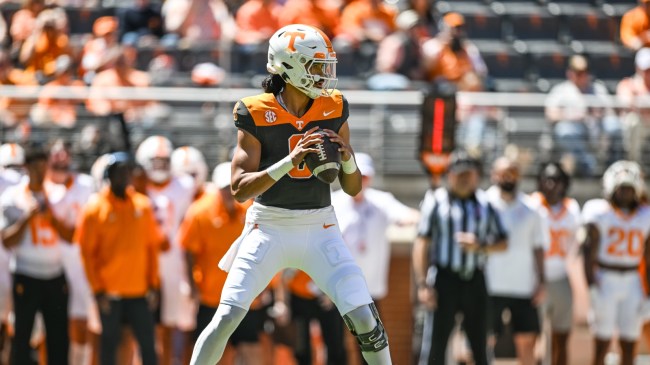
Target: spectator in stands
{"x": 428, "y": 14}
{"x": 516, "y": 277}
{"x": 211, "y": 225}
{"x": 50, "y": 108}
{"x": 198, "y": 20}
{"x": 49, "y": 41}
{"x": 13, "y": 110}
{"x": 257, "y": 20}
{"x": 635, "y": 26}
{"x": 101, "y": 51}
{"x": 367, "y": 21}
{"x": 399, "y": 58}
{"x": 141, "y": 22}
{"x": 121, "y": 74}
{"x": 448, "y": 259}
{"x": 318, "y": 13}
{"x": 35, "y": 233}
{"x": 23, "y": 23}
{"x": 578, "y": 109}
{"x": 450, "y": 60}
{"x": 635, "y": 118}
{"x": 120, "y": 241}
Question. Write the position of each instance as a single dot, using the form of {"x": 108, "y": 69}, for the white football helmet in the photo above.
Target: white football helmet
{"x": 303, "y": 56}
{"x": 622, "y": 173}
{"x": 97, "y": 171}
{"x": 12, "y": 155}
{"x": 188, "y": 160}
{"x": 154, "y": 154}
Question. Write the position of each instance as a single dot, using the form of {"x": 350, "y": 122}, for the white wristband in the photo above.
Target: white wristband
{"x": 280, "y": 168}
{"x": 349, "y": 166}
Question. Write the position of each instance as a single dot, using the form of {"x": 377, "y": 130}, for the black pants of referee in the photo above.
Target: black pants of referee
{"x": 456, "y": 295}
{"x": 50, "y": 297}
{"x": 303, "y": 311}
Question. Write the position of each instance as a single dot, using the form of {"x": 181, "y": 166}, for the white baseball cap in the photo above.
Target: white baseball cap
{"x": 642, "y": 59}
{"x": 221, "y": 175}
{"x": 364, "y": 163}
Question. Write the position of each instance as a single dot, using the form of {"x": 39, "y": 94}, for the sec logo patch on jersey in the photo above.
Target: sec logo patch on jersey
{"x": 270, "y": 116}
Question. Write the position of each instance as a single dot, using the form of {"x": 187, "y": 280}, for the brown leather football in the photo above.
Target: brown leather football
{"x": 325, "y": 164}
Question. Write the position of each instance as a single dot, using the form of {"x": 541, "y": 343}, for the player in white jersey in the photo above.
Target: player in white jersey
{"x": 68, "y": 193}
{"x": 171, "y": 196}
{"x": 12, "y": 157}
{"x": 187, "y": 160}
{"x": 615, "y": 243}
{"x": 563, "y": 216}
{"x": 35, "y": 235}
{"x": 8, "y": 177}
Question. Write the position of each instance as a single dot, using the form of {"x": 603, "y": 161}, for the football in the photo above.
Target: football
{"x": 326, "y": 163}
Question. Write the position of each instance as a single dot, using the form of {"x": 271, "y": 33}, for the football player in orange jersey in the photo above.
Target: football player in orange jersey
{"x": 292, "y": 222}
{"x": 615, "y": 243}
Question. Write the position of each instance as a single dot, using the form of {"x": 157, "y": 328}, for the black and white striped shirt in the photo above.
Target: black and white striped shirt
{"x": 443, "y": 215}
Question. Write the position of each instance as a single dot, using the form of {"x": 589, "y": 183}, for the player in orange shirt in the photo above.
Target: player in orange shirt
{"x": 120, "y": 241}
{"x": 211, "y": 225}
{"x": 367, "y": 20}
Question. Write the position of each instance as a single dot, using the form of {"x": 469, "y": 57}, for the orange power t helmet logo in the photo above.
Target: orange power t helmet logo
{"x": 292, "y": 40}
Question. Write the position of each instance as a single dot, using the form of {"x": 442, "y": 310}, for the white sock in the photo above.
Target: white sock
{"x": 378, "y": 358}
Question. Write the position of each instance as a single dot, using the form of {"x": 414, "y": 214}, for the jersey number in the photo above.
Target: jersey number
{"x": 559, "y": 238}
{"x": 42, "y": 232}
{"x": 625, "y": 243}
{"x": 301, "y": 171}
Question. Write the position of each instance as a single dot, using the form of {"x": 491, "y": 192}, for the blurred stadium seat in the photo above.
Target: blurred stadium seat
{"x": 483, "y": 26}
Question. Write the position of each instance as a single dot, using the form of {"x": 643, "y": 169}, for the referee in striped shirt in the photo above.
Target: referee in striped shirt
{"x": 458, "y": 228}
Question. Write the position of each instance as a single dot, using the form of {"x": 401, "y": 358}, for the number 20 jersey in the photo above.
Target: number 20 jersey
{"x": 278, "y": 132}
{"x": 622, "y": 235}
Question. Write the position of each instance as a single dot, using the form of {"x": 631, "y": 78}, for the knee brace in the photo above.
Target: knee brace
{"x": 373, "y": 341}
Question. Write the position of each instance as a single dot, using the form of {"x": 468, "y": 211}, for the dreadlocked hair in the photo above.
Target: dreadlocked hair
{"x": 273, "y": 83}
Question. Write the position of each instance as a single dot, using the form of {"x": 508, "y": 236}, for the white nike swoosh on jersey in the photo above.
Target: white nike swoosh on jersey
{"x": 328, "y": 113}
